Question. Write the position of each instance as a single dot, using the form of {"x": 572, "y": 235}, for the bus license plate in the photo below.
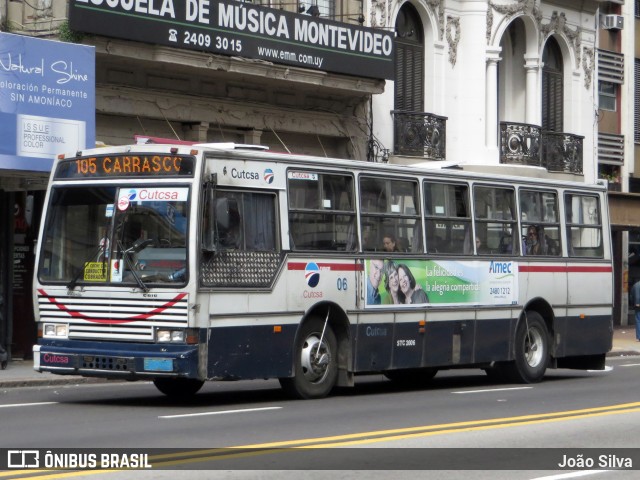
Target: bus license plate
{"x": 158, "y": 364}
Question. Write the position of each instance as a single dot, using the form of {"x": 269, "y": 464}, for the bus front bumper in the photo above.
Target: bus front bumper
{"x": 127, "y": 362}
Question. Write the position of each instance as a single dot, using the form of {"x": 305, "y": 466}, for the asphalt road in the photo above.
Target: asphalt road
{"x": 376, "y": 430}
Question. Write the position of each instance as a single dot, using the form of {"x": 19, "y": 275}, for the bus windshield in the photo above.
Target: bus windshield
{"x": 118, "y": 235}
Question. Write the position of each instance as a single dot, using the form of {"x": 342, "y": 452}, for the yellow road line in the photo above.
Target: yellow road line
{"x": 363, "y": 438}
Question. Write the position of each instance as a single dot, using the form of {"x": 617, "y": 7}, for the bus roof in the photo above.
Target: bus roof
{"x": 440, "y": 168}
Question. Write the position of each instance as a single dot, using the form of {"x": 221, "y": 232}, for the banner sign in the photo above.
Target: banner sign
{"x": 47, "y": 101}
{"x": 241, "y": 29}
{"x": 417, "y": 282}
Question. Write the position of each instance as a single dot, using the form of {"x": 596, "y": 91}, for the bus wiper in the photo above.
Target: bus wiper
{"x": 74, "y": 281}
{"x": 127, "y": 260}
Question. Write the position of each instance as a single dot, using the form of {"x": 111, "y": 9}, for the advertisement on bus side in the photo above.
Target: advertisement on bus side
{"x": 421, "y": 282}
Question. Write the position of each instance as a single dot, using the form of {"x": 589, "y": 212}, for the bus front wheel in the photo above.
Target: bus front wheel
{"x": 315, "y": 368}
{"x": 178, "y": 387}
{"x": 531, "y": 350}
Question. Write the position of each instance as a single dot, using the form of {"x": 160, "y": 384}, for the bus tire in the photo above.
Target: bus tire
{"x": 315, "y": 367}
{"x": 178, "y": 387}
{"x": 531, "y": 350}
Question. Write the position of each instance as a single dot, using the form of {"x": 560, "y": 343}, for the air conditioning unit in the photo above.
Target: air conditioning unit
{"x": 612, "y": 22}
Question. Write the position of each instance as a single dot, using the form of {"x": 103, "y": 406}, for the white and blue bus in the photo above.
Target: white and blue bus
{"x": 186, "y": 263}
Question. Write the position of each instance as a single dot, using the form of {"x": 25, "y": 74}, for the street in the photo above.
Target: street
{"x": 460, "y": 410}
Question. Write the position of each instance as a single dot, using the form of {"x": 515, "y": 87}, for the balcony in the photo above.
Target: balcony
{"x": 419, "y": 134}
{"x": 525, "y": 144}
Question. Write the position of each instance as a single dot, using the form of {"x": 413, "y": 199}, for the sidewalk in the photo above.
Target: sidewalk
{"x": 20, "y": 373}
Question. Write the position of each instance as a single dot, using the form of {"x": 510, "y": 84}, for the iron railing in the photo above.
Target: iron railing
{"x": 419, "y": 134}
{"x": 525, "y": 144}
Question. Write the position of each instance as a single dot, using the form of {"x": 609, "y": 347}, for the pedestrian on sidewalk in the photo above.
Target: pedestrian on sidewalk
{"x": 635, "y": 298}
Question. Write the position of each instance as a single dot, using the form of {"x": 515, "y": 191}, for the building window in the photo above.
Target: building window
{"x": 409, "y": 61}
{"x": 320, "y": 8}
{"x": 552, "y": 87}
{"x": 607, "y": 96}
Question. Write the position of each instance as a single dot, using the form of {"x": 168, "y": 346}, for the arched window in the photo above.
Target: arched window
{"x": 552, "y": 82}
{"x": 409, "y": 63}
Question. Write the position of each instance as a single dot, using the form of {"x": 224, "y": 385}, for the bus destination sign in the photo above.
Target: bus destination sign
{"x": 126, "y": 165}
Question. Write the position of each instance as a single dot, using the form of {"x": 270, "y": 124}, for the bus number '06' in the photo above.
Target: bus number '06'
{"x": 342, "y": 284}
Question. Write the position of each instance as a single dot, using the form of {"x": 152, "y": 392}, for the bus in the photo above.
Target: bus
{"x": 179, "y": 264}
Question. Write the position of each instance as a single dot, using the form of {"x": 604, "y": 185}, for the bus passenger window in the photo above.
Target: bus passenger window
{"x": 540, "y": 224}
{"x": 584, "y": 226}
{"x": 321, "y": 213}
{"x": 390, "y": 216}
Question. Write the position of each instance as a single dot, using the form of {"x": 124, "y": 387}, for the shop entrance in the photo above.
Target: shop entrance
{"x": 20, "y": 218}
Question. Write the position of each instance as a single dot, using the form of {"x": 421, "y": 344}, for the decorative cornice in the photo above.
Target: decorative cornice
{"x": 520, "y": 7}
{"x": 588, "y": 56}
{"x": 558, "y": 25}
{"x": 379, "y": 16}
{"x": 453, "y": 23}
{"x": 438, "y": 10}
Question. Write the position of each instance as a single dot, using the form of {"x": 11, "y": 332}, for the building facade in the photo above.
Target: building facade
{"x": 467, "y": 81}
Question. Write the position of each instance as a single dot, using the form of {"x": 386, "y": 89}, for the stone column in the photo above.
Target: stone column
{"x": 491, "y": 98}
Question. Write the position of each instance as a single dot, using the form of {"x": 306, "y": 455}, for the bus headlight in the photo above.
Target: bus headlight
{"x": 170, "y": 336}
{"x": 55, "y": 330}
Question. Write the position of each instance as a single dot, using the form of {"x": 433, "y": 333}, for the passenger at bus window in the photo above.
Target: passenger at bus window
{"x": 389, "y": 243}
{"x": 373, "y": 282}
{"x": 481, "y": 248}
{"x": 413, "y": 293}
{"x": 535, "y": 243}
{"x": 392, "y": 283}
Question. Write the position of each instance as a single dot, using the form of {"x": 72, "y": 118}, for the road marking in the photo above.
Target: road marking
{"x": 463, "y": 392}
{"x": 27, "y": 404}
{"x": 214, "y": 454}
{"x": 607, "y": 368}
{"x": 571, "y": 475}
{"x": 630, "y": 365}
{"x": 222, "y": 412}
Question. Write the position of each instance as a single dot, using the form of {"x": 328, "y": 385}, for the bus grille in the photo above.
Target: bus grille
{"x": 232, "y": 268}
{"x": 116, "y": 317}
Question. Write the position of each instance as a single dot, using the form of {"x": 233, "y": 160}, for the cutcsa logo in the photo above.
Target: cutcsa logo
{"x": 268, "y": 175}
{"x": 312, "y": 274}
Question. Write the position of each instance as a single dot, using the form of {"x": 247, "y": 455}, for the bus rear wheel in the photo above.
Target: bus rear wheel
{"x": 178, "y": 387}
{"x": 531, "y": 350}
{"x": 315, "y": 367}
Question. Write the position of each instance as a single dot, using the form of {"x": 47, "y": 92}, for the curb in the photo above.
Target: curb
{"x": 36, "y": 382}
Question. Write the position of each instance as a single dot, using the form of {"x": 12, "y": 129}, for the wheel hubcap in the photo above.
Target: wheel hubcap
{"x": 315, "y": 359}
{"x": 533, "y": 348}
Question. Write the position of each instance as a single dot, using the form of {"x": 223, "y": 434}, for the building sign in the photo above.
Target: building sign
{"x": 47, "y": 100}
{"x": 241, "y": 29}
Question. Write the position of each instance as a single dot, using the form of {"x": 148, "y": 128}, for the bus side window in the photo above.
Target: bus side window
{"x": 584, "y": 226}
{"x": 390, "y": 208}
{"x": 325, "y": 218}
{"x": 448, "y": 218}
